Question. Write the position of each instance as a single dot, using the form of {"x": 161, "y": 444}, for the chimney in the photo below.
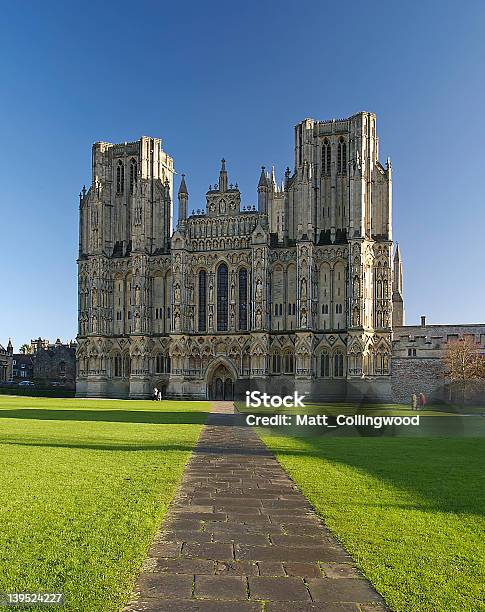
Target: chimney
{"x": 423, "y": 320}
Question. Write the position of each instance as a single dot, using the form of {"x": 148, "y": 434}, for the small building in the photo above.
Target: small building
{"x": 54, "y": 363}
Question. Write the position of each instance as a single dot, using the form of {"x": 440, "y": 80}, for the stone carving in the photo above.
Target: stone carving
{"x": 147, "y": 271}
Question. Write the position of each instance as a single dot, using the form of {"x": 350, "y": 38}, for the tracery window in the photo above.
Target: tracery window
{"x": 162, "y": 364}
{"x": 276, "y": 363}
{"x": 289, "y": 363}
{"x": 243, "y": 299}
{"x": 120, "y": 177}
{"x": 338, "y": 365}
{"x": 133, "y": 174}
{"x": 326, "y": 157}
{"x": 117, "y": 366}
{"x": 342, "y": 156}
{"x": 324, "y": 365}
{"x": 222, "y": 297}
{"x": 202, "y": 318}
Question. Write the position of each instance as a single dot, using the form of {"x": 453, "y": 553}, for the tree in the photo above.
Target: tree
{"x": 26, "y": 349}
{"x": 464, "y": 365}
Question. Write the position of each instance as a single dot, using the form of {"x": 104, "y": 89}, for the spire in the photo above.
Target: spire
{"x": 223, "y": 176}
{"x": 10, "y": 347}
{"x": 273, "y": 179}
{"x": 262, "y": 179}
{"x": 183, "y": 186}
{"x": 397, "y": 291}
{"x": 183, "y": 197}
{"x": 263, "y": 192}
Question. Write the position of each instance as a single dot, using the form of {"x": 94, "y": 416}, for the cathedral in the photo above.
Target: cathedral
{"x": 299, "y": 293}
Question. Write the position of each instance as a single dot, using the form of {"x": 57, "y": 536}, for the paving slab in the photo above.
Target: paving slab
{"x": 240, "y": 536}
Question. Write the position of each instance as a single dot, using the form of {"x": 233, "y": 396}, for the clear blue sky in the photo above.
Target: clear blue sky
{"x": 231, "y": 79}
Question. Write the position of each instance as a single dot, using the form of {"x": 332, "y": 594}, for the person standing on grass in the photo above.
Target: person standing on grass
{"x": 414, "y": 401}
{"x": 159, "y": 395}
{"x": 155, "y": 393}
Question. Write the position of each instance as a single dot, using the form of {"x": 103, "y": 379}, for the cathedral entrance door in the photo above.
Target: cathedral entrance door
{"x": 219, "y": 384}
{"x": 222, "y": 386}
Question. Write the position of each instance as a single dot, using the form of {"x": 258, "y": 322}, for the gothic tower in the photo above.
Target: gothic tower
{"x": 125, "y": 219}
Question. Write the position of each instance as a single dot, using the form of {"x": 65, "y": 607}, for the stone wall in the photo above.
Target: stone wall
{"x": 419, "y": 375}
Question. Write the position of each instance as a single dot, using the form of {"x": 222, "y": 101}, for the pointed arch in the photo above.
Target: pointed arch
{"x": 120, "y": 177}
{"x": 222, "y": 297}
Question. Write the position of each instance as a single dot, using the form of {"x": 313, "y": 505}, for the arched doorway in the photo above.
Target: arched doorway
{"x": 221, "y": 385}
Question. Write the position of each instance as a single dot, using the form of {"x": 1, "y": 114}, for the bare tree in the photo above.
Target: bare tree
{"x": 464, "y": 365}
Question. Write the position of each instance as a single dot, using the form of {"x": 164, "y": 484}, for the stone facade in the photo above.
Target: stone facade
{"x": 300, "y": 293}
{"x": 54, "y": 363}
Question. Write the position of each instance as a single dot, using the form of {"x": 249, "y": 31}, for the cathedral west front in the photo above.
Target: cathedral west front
{"x": 300, "y": 292}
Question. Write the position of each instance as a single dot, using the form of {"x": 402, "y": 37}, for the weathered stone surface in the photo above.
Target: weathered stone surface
{"x": 278, "y": 589}
{"x": 305, "y": 570}
{"x": 221, "y": 587}
{"x": 342, "y": 590}
{"x": 178, "y": 586}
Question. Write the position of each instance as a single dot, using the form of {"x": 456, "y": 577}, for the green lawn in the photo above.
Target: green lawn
{"x": 84, "y": 485}
{"x": 410, "y": 511}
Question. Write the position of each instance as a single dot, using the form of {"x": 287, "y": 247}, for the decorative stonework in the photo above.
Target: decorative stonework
{"x": 299, "y": 291}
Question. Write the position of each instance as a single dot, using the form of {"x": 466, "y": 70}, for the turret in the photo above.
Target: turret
{"x": 263, "y": 192}
{"x": 397, "y": 293}
{"x": 223, "y": 176}
{"x": 9, "y": 347}
{"x": 183, "y": 197}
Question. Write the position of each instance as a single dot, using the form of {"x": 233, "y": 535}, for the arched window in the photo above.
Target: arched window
{"x": 324, "y": 365}
{"x": 202, "y": 319}
{"x": 382, "y": 362}
{"x": 117, "y": 366}
{"x": 126, "y": 366}
{"x": 222, "y": 297}
{"x": 342, "y": 156}
{"x": 289, "y": 363}
{"x": 338, "y": 365}
{"x": 243, "y": 299}
{"x": 276, "y": 363}
{"x": 120, "y": 177}
{"x": 326, "y": 157}
{"x": 162, "y": 364}
{"x": 133, "y": 174}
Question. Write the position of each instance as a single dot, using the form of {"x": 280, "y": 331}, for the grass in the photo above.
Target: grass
{"x": 84, "y": 485}
{"x": 409, "y": 510}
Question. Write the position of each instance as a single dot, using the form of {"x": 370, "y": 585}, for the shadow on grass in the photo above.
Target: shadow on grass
{"x": 447, "y": 473}
{"x": 99, "y": 446}
{"x": 109, "y": 416}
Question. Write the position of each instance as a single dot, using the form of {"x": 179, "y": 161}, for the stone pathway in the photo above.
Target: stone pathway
{"x": 239, "y": 536}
